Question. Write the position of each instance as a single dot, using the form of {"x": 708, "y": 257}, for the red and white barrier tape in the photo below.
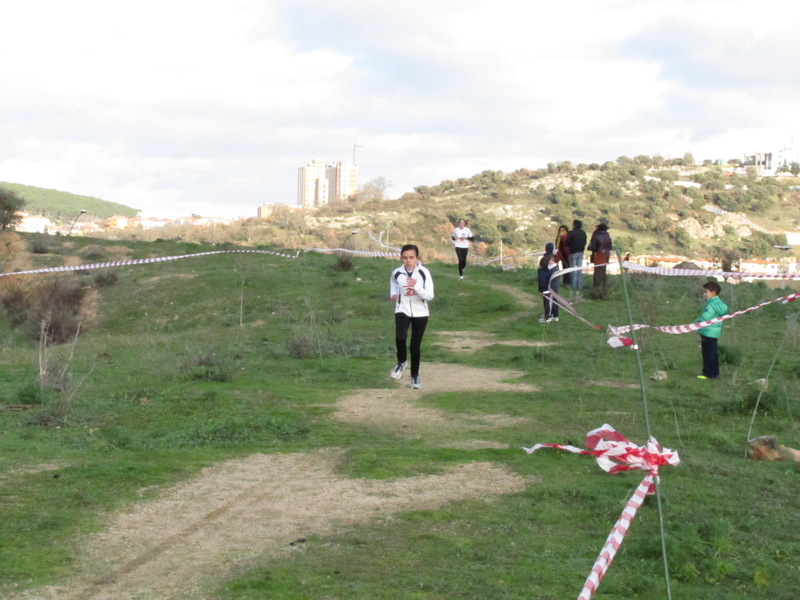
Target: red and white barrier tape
{"x": 615, "y": 454}
{"x": 368, "y": 253}
{"x": 676, "y": 329}
{"x": 141, "y": 261}
{"x": 669, "y": 272}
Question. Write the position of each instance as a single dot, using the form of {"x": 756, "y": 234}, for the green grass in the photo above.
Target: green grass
{"x": 173, "y": 383}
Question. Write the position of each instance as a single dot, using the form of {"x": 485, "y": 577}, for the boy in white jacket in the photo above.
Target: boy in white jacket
{"x": 410, "y": 288}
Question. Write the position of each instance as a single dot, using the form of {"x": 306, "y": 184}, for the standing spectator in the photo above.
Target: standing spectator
{"x": 600, "y": 247}
{"x": 547, "y": 266}
{"x": 462, "y": 236}
{"x": 576, "y": 242}
{"x": 410, "y": 288}
{"x": 563, "y": 251}
{"x": 709, "y": 335}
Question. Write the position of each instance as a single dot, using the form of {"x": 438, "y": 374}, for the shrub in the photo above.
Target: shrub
{"x": 106, "y": 279}
{"x": 17, "y": 305}
{"x": 40, "y": 244}
{"x": 57, "y": 304}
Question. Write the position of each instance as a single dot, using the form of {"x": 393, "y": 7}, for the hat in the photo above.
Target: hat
{"x": 549, "y": 248}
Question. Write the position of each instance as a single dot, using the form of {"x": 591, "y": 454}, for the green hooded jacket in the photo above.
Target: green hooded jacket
{"x": 714, "y": 307}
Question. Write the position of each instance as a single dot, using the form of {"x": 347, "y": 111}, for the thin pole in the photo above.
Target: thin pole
{"x": 646, "y": 420}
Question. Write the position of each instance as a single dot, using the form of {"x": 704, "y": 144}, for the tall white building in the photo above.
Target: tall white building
{"x": 317, "y": 183}
{"x": 312, "y": 185}
{"x": 342, "y": 180}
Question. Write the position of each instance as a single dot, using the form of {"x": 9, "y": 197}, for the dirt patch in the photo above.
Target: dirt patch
{"x": 477, "y": 445}
{"x": 525, "y": 300}
{"x": 397, "y": 411}
{"x": 150, "y": 281}
{"x": 615, "y": 384}
{"x": 242, "y": 511}
{"x": 472, "y": 341}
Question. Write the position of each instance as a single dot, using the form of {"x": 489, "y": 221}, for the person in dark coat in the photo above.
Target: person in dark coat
{"x": 600, "y": 247}
{"x": 576, "y": 242}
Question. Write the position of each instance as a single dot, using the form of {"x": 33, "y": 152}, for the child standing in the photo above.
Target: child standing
{"x": 547, "y": 266}
{"x": 410, "y": 288}
{"x": 709, "y": 335}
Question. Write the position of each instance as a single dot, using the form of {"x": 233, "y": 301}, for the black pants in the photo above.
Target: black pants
{"x": 418, "y": 324}
{"x": 710, "y": 350}
{"x": 550, "y": 306}
{"x": 461, "y": 253}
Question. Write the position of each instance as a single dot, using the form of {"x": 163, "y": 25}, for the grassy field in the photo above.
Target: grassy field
{"x": 184, "y": 364}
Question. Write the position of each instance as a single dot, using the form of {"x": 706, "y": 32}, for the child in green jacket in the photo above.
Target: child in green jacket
{"x": 709, "y": 335}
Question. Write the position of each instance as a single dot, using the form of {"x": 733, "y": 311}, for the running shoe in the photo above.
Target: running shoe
{"x": 551, "y": 319}
{"x": 416, "y": 384}
{"x": 397, "y": 372}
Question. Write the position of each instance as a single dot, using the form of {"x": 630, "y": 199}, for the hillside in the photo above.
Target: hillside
{"x": 64, "y": 205}
{"x": 651, "y": 205}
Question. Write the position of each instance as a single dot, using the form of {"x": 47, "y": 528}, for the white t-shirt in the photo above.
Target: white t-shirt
{"x": 461, "y": 232}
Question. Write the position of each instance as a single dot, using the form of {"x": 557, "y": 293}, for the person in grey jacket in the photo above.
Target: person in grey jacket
{"x": 410, "y": 288}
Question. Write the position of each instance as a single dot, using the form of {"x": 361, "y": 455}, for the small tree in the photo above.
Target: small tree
{"x": 10, "y": 203}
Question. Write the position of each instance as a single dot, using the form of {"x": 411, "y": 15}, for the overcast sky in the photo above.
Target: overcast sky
{"x": 208, "y": 106}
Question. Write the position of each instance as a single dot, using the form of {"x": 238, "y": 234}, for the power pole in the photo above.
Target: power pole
{"x": 354, "y": 152}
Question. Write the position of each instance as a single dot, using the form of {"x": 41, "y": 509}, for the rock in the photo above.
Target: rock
{"x": 767, "y": 447}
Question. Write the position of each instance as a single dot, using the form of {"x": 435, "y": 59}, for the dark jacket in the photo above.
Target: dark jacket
{"x": 576, "y": 240}
{"x": 545, "y": 274}
{"x": 601, "y": 242}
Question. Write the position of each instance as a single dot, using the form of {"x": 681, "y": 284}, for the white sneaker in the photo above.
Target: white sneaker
{"x": 461, "y": 278}
{"x": 397, "y": 372}
{"x": 551, "y": 319}
{"x": 543, "y": 320}
{"x": 416, "y": 384}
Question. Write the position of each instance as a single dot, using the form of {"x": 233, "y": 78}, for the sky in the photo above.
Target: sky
{"x": 209, "y": 107}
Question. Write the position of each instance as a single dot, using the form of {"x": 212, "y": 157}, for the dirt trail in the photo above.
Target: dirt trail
{"x": 244, "y": 511}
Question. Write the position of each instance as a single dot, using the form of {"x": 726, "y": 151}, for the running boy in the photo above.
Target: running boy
{"x": 410, "y": 288}
{"x": 709, "y": 335}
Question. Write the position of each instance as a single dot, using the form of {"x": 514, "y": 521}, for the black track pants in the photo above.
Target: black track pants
{"x": 417, "y": 324}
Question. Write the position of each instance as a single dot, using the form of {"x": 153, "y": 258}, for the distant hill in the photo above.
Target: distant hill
{"x": 652, "y": 205}
{"x": 63, "y": 205}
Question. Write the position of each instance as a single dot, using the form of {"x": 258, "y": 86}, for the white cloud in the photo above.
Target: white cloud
{"x": 210, "y": 106}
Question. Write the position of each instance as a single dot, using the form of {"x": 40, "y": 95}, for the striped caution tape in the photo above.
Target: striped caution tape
{"x": 669, "y": 272}
{"x": 367, "y": 253}
{"x": 615, "y": 454}
{"x": 676, "y": 329}
{"x": 141, "y": 261}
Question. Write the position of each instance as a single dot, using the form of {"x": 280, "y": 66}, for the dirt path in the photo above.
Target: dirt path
{"x": 246, "y": 511}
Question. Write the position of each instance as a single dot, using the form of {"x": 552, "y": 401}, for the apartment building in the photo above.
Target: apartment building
{"x": 318, "y": 183}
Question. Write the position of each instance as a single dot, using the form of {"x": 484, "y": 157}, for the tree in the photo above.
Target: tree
{"x": 794, "y": 168}
{"x": 10, "y": 203}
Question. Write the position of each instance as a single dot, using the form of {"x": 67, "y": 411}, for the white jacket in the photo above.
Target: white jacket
{"x": 412, "y": 301}
{"x": 460, "y": 232}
